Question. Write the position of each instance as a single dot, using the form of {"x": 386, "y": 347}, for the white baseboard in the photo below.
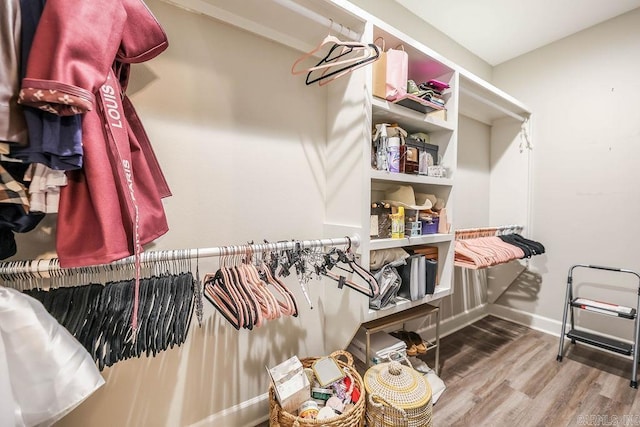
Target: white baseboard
{"x": 533, "y": 321}
{"x": 249, "y": 413}
{"x": 544, "y": 324}
{"x": 456, "y": 322}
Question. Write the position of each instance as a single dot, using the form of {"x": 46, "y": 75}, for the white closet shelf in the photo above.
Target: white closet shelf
{"x": 308, "y": 21}
{"x": 409, "y": 178}
{"x": 486, "y": 103}
{"x": 410, "y": 241}
{"x": 404, "y": 304}
{"x": 411, "y": 120}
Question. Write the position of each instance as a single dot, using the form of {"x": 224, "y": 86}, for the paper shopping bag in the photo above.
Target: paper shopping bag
{"x": 390, "y": 72}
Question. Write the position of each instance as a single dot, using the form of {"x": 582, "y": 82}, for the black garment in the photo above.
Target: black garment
{"x": 529, "y": 247}
{"x": 13, "y": 218}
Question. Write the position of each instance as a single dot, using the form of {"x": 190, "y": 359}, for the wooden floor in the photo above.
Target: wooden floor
{"x": 500, "y": 373}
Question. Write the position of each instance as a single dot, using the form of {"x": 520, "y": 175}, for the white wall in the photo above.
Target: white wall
{"x": 472, "y": 174}
{"x": 586, "y": 130}
{"x": 471, "y": 198}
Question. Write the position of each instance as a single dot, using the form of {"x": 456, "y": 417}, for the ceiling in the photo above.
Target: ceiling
{"x": 499, "y": 30}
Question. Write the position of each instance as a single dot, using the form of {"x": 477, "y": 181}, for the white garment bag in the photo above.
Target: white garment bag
{"x": 44, "y": 371}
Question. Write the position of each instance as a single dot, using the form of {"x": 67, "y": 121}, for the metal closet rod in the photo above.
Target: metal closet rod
{"x": 481, "y": 231}
{"x": 53, "y": 264}
{"x": 497, "y": 227}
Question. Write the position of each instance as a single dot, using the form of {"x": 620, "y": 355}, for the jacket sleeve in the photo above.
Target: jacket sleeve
{"x": 143, "y": 38}
{"x": 73, "y": 49}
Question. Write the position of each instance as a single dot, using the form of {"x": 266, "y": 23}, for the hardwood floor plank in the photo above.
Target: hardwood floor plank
{"x": 499, "y": 373}
{"x": 450, "y": 413}
{"x": 616, "y": 388}
{"x": 502, "y": 400}
{"x": 541, "y": 373}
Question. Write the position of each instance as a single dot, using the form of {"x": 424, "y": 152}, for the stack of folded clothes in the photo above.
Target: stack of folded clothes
{"x": 429, "y": 91}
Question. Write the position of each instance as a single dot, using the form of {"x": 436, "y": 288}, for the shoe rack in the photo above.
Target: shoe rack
{"x": 400, "y": 318}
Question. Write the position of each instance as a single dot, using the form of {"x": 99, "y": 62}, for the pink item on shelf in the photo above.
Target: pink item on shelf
{"x": 438, "y": 85}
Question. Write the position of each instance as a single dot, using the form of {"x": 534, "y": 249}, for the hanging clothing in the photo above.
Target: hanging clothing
{"x": 482, "y": 252}
{"x": 13, "y": 129}
{"x": 44, "y": 187}
{"x": 11, "y": 191}
{"x": 44, "y": 371}
{"x": 55, "y": 141}
{"x": 113, "y": 205}
{"x": 15, "y": 213}
{"x": 529, "y": 247}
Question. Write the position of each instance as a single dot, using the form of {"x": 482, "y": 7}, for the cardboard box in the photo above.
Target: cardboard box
{"x": 439, "y": 114}
{"x": 290, "y": 383}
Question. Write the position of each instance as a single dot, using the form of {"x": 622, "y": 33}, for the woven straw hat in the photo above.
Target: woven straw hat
{"x": 404, "y": 195}
{"x": 398, "y": 384}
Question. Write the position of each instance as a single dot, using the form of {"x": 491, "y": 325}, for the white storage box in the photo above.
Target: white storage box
{"x": 291, "y": 384}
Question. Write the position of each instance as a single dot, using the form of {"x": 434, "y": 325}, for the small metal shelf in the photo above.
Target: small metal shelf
{"x": 401, "y": 317}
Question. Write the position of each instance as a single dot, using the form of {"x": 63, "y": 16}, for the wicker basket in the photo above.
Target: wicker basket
{"x": 398, "y": 396}
{"x": 354, "y": 417}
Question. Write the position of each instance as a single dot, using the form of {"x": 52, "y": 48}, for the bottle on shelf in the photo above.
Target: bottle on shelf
{"x": 397, "y": 224}
{"x": 382, "y": 148}
{"x": 393, "y": 153}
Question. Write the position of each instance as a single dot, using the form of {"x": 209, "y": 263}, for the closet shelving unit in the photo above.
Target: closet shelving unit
{"x": 351, "y": 184}
{"x": 424, "y": 64}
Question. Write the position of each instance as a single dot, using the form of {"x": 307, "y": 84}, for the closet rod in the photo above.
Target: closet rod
{"x": 492, "y": 104}
{"x": 500, "y": 228}
{"x": 53, "y": 264}
{"x": 496, "y": 227}
{"x": 316, "y": 17}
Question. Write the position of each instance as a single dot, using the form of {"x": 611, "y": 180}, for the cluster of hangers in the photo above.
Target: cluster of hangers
{"x": 33, "y": 272}
{"x": 95, "y": 304}
{"x": 247, "y": 290}
{"x": 338, "y": 58}
{"x": 485, "y": 247}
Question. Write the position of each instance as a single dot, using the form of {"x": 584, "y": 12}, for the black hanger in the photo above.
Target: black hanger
{"x": 334, "y": 258}
{"x": 354, "y": 65}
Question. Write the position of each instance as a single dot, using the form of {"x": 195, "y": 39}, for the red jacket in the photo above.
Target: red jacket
{"x": 79, "y": 64}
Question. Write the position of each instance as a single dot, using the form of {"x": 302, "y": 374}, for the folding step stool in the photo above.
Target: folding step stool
{"x": 605, "y": 308}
